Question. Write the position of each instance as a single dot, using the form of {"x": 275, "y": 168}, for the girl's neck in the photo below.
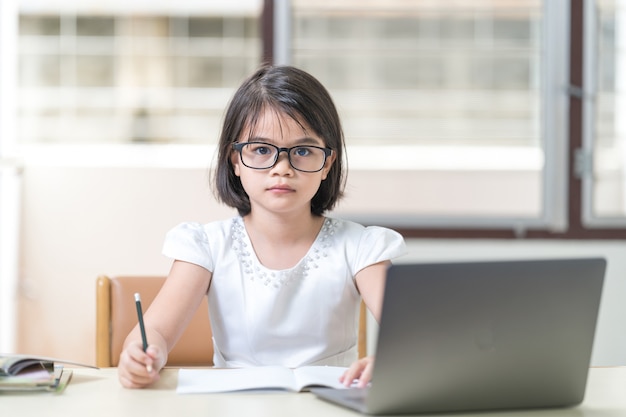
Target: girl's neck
{"x": 282, "y": 228}
{"x": 280, "y": 243}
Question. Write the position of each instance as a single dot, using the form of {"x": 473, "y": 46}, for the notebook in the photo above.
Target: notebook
{"x": 478, "y": 336}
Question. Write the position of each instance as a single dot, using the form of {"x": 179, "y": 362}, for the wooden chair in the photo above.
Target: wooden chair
{"x": 116, "y": 316}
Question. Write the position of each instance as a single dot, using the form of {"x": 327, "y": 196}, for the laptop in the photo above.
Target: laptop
{"x": 478, "y": 336}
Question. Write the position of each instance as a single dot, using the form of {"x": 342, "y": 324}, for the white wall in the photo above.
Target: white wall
{"x": 79, "y": 222}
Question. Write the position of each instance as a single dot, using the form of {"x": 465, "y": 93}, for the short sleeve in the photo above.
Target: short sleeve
{"x": 188, "y": 242}
{"x": 378, "y": 244}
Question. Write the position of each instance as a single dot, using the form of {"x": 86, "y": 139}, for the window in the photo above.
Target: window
{"x": 602, "y": 158}
{"x": 131, "y": 75}
{"x": 468, "y": 98}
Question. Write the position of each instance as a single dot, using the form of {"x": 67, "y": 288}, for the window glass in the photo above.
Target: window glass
{"x": 446, "y": 95}
{"x": 114, "y": 76}
{"x": 607, "y": 136}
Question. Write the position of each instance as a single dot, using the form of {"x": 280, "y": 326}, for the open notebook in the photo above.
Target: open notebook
{"x": 482, "y": 336}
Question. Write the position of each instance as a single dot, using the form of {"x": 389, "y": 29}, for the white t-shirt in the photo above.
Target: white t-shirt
{"x": 306, "y": 315}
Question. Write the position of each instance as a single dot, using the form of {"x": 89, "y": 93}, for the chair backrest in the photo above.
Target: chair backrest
{"x": 362, "y": 340}
{"x": 116, "y": 316}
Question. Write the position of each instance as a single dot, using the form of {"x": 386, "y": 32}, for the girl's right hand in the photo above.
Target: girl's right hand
{"x": 138, "y": 369}
{"x": 359, "y": 374}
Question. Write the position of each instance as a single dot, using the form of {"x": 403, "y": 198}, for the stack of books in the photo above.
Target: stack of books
{"x": 22, "y": 373}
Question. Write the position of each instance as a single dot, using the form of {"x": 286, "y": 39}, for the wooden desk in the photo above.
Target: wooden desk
{"x": 95, "y": 393}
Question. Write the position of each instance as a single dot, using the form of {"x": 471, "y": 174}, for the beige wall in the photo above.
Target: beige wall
{"x": 79, "y": 222}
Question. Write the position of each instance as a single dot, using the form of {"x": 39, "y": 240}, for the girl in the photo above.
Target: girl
{"x": 284, "y": 282}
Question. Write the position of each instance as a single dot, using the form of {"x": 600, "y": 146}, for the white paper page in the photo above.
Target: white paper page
{"x": 327, "y": 376}
{"x": 197, "y": 381}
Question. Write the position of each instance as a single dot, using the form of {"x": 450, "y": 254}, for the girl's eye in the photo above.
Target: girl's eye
{"x": 303, "y": 151}
{"x": 262, "y": 150}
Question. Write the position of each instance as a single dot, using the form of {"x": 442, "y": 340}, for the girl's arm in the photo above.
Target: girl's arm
{"x": 165, "y": 320}
{"x": 371, "y": 284}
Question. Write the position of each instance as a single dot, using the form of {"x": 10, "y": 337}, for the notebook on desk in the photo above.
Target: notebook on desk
{"x": 479, "y": 336}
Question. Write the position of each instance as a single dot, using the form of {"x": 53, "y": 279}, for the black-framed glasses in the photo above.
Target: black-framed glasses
{"x": 261, "y": 155}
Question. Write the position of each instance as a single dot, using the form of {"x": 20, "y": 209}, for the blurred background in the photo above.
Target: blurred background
{"x": 478, "y": 129}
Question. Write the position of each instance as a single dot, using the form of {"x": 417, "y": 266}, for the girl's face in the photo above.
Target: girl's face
{"x": 281, "y": 188}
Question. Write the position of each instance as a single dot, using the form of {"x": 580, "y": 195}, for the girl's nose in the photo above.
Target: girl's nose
{"x": 282, "y": 163}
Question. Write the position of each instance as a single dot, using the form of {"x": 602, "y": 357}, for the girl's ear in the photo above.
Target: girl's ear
{"x": 328, "y": 165}
{"x": 235, "y": 161}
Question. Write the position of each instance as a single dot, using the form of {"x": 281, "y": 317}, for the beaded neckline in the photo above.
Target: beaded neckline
{"x": 254, "y": 271}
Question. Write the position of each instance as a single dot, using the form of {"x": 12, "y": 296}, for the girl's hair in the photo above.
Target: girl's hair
{"x": 297, "y": 94}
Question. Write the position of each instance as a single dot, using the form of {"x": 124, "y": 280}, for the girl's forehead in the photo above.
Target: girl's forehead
{"x": 274, "y": 124}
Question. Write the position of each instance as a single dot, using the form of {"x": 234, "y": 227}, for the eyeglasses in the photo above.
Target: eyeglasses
{"x": 260, "y": 155}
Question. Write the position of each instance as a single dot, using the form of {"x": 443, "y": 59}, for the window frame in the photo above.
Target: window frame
{"x": 588, "y": 96}
{"x": 566, "y": 195}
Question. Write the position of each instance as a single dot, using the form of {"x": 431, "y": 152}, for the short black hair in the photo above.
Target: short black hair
{"x": 297, "y": 94}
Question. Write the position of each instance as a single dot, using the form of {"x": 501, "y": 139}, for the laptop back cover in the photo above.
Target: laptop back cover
{"x": 485, "y": 335}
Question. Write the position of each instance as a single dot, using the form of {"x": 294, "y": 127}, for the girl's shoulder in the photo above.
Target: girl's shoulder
{"x": 198, "y": 232}
{"x": 364, "y": 245}
{"x": 353, "y": 230}
{"x": 197, "y": 243}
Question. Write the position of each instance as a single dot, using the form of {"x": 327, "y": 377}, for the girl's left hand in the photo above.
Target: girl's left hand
{"x": 360, "y": 370}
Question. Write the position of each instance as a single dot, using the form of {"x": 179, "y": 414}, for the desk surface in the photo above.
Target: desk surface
{"x": 95, "y": 393}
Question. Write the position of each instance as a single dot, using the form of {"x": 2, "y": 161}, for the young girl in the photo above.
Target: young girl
{"x": 283, "y": 281}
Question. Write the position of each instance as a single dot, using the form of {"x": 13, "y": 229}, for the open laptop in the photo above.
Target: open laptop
{"x": 482, "y": 336}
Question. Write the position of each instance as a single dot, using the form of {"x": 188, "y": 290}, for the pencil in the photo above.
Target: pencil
{"x": 140, "y": 317}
